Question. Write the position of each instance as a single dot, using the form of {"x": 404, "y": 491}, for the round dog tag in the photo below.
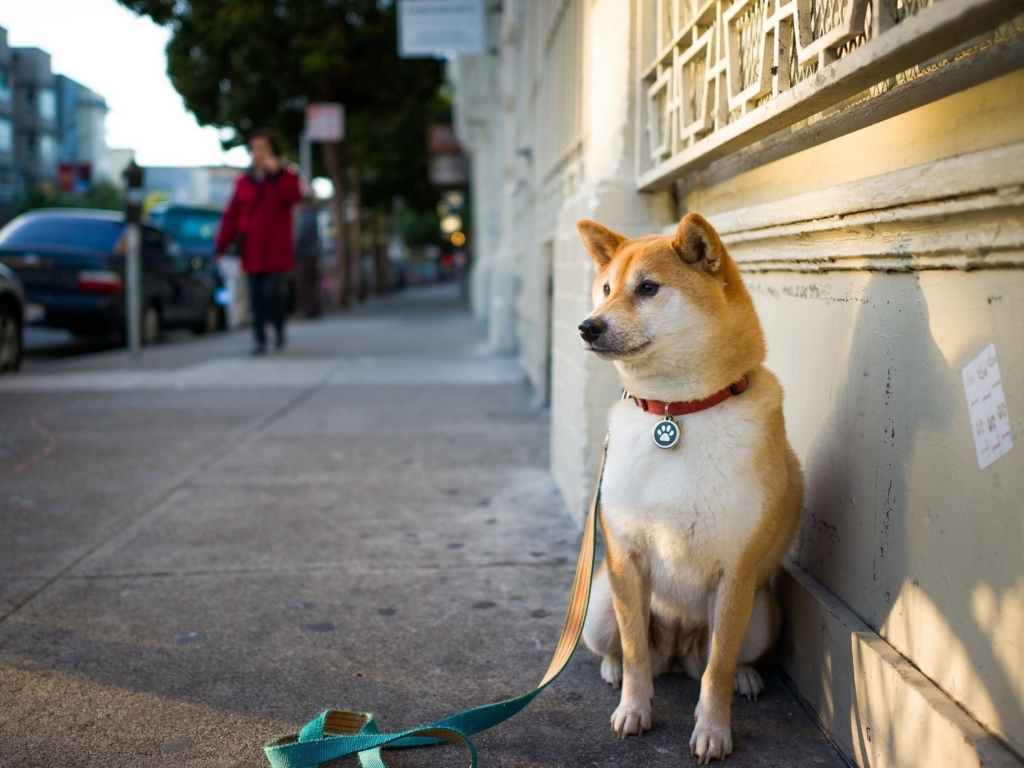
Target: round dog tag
{"x": 666, "y": 432}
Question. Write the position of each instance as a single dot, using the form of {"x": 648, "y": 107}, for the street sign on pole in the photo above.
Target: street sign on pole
{"x": 448, "y": 164}
{"x": 325, "y": 122}
{"x": 449, "y": 170}
{"x": 442, "y": 139}
{"x": 438, "y": 29}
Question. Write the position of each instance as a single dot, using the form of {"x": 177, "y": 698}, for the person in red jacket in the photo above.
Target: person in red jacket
{"x": 258, "y": 223}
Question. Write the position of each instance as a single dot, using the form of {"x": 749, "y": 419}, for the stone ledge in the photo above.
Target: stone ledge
{"x": 877, "y": 708}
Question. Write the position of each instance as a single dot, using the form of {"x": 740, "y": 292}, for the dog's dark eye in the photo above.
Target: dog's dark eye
{"x": 607, "y": 289}
{"x": 647, "y": 288}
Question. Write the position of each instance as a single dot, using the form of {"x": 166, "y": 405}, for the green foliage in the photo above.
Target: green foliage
{"x": 103, "y": 194}
{"x": 241, "y": 64}
{"x": 421, "y": 228}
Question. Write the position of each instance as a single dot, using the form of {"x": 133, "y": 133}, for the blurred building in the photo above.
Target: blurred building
{"x": 202, "y": 185}
{"x": 120, "y": 159}
{"x": 7, "y": 164}
{"x": 52, "y": 129}
{"x": 863, "y": 161}
{"x": 83, "y": 151}
{"x": 36, "y": 140}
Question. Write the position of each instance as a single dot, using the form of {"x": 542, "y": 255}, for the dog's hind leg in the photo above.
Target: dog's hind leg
{"x": 601, "y": 629}
{"x": 663, "y": 634}
{"x": 762, "y": 632}
{"x": 692, "y": 651}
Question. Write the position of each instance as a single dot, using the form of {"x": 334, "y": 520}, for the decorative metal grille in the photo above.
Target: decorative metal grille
{"x": 715, "y": 67}
{"x": 559, "y": 99}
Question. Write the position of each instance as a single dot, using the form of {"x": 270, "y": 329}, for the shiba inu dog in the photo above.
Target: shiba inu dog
{"x": 697, "y": 507}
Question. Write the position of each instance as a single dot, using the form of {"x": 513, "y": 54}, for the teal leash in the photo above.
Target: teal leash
{"x": 340, "y": 733}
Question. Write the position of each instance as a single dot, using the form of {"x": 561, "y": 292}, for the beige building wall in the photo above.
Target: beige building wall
{"x": 582, "y": 386}
{"x": 478, "y": 125}
{"x": 877, "y": 214}
{"x": 906, "y": 269}
{"x": 481, "y": 120}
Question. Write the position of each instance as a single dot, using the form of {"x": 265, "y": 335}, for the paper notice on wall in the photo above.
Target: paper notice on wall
{"x": 986, "y": 404}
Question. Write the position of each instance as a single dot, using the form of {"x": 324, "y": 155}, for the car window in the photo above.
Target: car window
{"x": 157, "y": 248}
{"x": 192, "y": 228}
{"x": 156, "y": 217}
{"x": 101, "y": 234}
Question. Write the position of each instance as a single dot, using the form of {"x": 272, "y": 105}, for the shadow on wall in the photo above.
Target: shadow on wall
{"x": 902, "y": 525}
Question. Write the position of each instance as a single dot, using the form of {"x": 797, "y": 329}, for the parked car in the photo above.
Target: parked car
{"x": 71, "y": 264}
{"x": 12, "y": 320}
{"x": 194, "y": 228}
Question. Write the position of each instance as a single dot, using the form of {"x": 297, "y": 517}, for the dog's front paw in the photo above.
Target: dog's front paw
{"x": 710, "y": 742}
{"x": 631, "y": 718}
{"x": 747, "y": 682}
{"x": 712, "y": 735}
{"x": 611, "y": 671}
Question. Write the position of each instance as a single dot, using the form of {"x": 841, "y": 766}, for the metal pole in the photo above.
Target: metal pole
{"x": 134, "y": 195}
{"x": 306, "y": 156}
{"x": 133, "y": 288}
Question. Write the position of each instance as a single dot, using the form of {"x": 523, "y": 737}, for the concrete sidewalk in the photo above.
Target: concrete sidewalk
{"x": 201, "y": 552}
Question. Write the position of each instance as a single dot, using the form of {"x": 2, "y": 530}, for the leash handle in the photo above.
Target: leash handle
{"x": 319, "y": 739}
{"x": 339, "y": 733}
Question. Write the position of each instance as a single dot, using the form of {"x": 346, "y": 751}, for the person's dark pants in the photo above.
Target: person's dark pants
{"x": 308, "y": 285}
{"x": 266, "y": 297}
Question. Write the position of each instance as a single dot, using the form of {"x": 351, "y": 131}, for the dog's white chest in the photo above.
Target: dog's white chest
{"x": 691, "y": 508}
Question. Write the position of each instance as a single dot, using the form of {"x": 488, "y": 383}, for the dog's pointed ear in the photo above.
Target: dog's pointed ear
{"x": 600, "y": 241}
{"x": 697, "y": 243}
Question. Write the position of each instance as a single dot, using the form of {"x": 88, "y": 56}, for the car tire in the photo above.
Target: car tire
{"x": 150, "y": 326}
{"x": 210, "y": 321}
{"x": 11, "y": 346}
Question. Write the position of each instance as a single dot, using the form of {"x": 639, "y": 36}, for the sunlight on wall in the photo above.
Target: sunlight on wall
{"x": 606, "y": 87}
{"x": 918, "y": 628}
{"x": 961, "y": 326}
{"x": 889, "y": 729}
{"x": 1001, "y": 618}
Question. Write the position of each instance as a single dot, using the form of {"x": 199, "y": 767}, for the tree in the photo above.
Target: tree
{"x": 239, "y": 64}
{"x": 103, "y": 194}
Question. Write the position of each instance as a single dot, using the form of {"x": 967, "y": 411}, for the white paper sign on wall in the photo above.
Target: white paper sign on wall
{"x": 986, "y": 404}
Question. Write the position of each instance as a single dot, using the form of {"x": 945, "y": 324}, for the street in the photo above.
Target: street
{"x": 202, "y": 551}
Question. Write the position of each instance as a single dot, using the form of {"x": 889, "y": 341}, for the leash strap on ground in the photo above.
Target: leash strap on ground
{"x": 338, "y": 733}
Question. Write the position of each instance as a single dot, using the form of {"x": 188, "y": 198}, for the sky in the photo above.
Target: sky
{"x": 120, "y": 56}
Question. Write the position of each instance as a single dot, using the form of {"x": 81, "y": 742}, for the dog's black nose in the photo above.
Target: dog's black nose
{"x": 591, "y": 329}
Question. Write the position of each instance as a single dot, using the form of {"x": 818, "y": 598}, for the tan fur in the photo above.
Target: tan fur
{"x": 694, "y": 533}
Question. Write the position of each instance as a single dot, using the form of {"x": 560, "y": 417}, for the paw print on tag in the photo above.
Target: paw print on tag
{"x": 666, "y": 432}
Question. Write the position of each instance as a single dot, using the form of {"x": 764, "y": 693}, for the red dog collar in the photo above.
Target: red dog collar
{"x": 682, "y": 407}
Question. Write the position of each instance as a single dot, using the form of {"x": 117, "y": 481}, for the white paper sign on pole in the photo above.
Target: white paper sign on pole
{"x": 986, "y": 404}
{"x": 441, "y": 28}
{"x": 325, "y": 122}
